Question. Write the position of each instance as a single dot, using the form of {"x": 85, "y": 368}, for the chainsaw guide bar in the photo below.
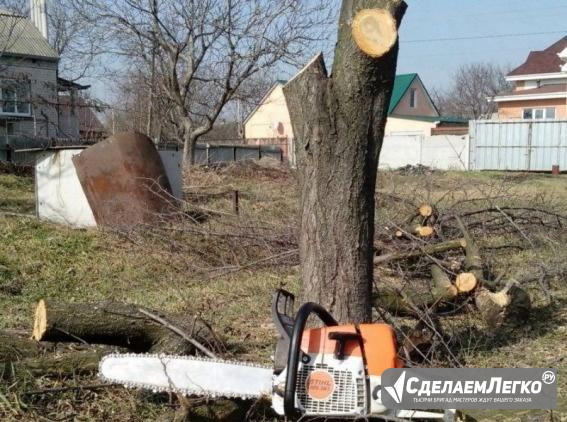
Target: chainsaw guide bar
{"x": 188, "y": 375}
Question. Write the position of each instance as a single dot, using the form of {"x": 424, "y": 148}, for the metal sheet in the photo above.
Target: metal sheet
{"x": 124, "y": 180}
{"x": 59, "y": 195}
{"x": 525, "y": 145}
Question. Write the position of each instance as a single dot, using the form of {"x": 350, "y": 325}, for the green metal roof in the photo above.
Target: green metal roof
{"x": 20, "y": 37}
{"x": 442, "y": 119}
{"x": 401, "y": 85}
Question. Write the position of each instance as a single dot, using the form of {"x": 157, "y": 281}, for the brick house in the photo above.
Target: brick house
{"x": 540, "y": 90}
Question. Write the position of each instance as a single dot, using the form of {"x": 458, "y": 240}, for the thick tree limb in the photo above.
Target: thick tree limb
{"x": 433, "y": 249}
{"x": 116, "y": 324}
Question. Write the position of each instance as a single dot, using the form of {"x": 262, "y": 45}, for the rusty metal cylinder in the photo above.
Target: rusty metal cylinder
{"x": 124, "y": 180}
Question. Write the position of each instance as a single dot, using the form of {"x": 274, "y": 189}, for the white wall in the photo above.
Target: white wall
{"x": 270, "y": 116}
{"x": 59, "y": 194}
{"x": 442, "y": 152}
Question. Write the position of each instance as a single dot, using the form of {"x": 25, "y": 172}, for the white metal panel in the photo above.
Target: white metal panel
{"x": 525, "y": 145}
{"x": 172, "y": 162}
{"x": 59, "y": 194}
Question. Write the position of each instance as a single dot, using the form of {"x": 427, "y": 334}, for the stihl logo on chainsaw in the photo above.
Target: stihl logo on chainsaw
{"x": 320, "y": 385}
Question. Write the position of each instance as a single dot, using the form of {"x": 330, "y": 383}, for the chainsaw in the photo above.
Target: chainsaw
{"x": 331, "y": 371}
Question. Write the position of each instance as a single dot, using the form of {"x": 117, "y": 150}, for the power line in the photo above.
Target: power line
{"x": 481, "y": 37}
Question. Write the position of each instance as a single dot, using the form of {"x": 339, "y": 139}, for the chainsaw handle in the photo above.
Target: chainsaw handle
{"x": 294, "y": 353}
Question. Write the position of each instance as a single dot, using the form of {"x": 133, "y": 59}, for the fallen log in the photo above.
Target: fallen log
{"x": 117, "y": 324}
{"x": 409, "y": 300}
{"x": 473, "y": 260}
{"x": 442, "y": 289}
{"x": 432, "y": 249}
{"x": 510, "y": 305}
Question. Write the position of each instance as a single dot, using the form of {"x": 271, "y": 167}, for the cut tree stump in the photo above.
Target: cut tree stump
{"x": 423, "y": 231}
{"x": 466, "y": 282}
{"x": 426, "y": 210}
{"x": 116, "y": 324}
{"x": 511, "y": 305}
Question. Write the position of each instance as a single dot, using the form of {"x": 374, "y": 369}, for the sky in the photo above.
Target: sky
{"x": 495, "y": 25}
{"x": 433, "y": 19}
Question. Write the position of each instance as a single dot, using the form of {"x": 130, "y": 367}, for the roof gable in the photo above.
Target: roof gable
{"x": 20, "y": 37}
{"x": 544, "y": 61}
{"x": 401, "y": 85}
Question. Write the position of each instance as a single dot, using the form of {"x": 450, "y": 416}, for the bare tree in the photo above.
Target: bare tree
{"x": 338, "y": 122}
{"x": 203, "y": 51}
{"x": 472, "y": 85}
{"x": 75, "y": 40}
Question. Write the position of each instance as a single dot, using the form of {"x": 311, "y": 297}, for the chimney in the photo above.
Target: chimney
{"x": 38, "y": 15}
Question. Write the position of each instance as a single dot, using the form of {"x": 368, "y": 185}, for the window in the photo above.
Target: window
{"x": 539, "y": 113}
{"x": 550, "y": 113}
{"x": 413, "y": 98}
{"x": 6, "y": 128}
{"x": 15, "y": 97}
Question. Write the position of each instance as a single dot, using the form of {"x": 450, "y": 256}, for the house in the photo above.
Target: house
{"x": 28, "y": 82}
{"x": 36, "y": 105}
{"x": 540, "y": 90}
{"x": 411, "y": 112}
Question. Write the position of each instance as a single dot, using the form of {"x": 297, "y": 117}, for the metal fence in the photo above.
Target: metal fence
{"x": 521, "y": 145}
{"x": 216, "y": 154}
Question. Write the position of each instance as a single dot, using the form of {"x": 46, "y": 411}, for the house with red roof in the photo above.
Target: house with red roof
{"x": 540, "y": 90}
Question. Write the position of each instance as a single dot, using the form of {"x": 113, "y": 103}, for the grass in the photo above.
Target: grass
{"x": 43, "y": 260}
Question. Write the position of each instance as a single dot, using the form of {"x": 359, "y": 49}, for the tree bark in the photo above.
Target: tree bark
{"x": 338, "y": 123}
{"x": 115, "y": 324}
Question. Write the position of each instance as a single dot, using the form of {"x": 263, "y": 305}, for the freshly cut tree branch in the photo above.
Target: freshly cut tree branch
{"x": 116, "y": 324}
{"x": 433, "y": 249}
{"x": 374, "y": 31}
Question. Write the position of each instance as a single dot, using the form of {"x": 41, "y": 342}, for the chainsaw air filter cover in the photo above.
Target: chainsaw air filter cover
{"x": 341, "y": 366}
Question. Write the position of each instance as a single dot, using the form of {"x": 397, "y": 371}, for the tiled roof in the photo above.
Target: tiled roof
{"x": 545, "y": 89}
{"x": 20, "y": 37}
{"x": 545, "y": 61}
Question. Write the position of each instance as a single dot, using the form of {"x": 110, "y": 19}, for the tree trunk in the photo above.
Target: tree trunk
{"x": 338, "y": 123}
{"x": 115, "y": 324}
{"x": 189, "y": 147}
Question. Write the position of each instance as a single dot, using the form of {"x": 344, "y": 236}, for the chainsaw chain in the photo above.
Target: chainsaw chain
{"x": 182, "y": 391}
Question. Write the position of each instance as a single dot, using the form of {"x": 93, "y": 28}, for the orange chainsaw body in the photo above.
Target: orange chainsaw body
{"x": 379, "y": 348}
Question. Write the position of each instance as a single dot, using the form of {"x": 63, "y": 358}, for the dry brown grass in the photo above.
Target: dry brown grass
{"x": 175, "y": 267}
